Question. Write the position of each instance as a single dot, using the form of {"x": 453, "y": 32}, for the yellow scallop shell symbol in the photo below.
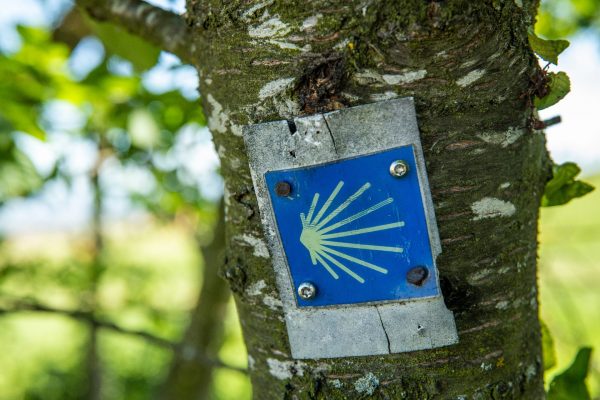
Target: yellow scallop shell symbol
{"x": 319, "y": 230}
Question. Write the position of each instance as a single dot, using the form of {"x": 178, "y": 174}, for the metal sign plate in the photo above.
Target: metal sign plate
{"x": 349, "y": 221}
{"x": 354, "y": 230}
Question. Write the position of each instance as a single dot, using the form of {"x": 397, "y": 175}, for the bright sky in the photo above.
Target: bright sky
{"x": 577, "y": 138}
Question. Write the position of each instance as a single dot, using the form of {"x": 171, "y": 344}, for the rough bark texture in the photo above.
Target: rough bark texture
{"x": 468, "y": 66}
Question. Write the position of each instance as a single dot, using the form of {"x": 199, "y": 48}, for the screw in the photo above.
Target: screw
{"x": 283, "y": 188}
{"x": 417, "y": 275}
{"x": 307, "y": 291}
{"x": 399, "y": 168}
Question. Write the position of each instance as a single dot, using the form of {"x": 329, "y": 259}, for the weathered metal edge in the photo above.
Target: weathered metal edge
{"x": 347, "y": 330}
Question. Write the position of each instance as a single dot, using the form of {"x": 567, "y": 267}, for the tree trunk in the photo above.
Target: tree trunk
{"x": 469, "y": 67}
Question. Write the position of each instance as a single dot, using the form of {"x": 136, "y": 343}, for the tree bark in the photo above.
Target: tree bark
{"x": 469, "y": 67}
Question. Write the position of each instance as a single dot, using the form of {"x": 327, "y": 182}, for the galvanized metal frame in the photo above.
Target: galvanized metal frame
{"x": 366, "y": 328}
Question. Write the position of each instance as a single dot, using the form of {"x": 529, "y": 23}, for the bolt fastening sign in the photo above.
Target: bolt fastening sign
{"x": 349, "y": 221}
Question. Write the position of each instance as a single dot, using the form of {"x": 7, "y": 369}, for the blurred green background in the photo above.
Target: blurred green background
{"x": 569, "y": 277}
{"x": 108, "y": 202}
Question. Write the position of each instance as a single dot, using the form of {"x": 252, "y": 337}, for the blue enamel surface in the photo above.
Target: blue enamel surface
{"x": 399, "y": 201}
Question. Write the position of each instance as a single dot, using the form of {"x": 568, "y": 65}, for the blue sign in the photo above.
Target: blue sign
{"x": 354, "y": 230}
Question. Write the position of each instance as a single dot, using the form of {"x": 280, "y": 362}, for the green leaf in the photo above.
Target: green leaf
{"x": 563, "y": 187}
{"x": 139, "y": 52}
{"x": 547, "y": 347}
{"x": 562, "y": 18}
{"x": 570, "y": 385}
{"x": 558, "y": 86}
{"x": 547, "y": 49}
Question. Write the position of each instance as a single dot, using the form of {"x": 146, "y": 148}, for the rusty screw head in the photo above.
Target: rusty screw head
{"x": 399, "y": 168}
{"x": 417, "y": 275}
{"x": 283, "y": 188}
{"x": 307, "y": 290}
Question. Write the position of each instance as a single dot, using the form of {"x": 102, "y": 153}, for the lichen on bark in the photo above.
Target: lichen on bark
{"x": 468, "y": 66}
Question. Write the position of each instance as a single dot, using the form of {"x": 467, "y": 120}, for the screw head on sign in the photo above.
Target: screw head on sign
{"x": 417, "y": 275}
{"x": 307, "y": 291}
{"x": 283, "y": 188}
{"x": 399, "y": 168}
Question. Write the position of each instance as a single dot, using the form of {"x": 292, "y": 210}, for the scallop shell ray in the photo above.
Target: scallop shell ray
{"x": 319, "y": 230}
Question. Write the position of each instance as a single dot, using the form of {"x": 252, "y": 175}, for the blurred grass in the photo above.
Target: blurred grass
{"x": 230, "y": 385}
{"x": 40, "y": 357}
{"x": 569, "y": 276}
{"x": 150, "y": 282}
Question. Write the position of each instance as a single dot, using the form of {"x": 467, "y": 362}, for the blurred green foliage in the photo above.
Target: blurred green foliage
{"x": 18, "y": 176}
{"x": 150, "y": 284}
{"x": 134, "y": 125}
{"x": 35, "y": 74}
{"x": 549, "y": 352}
{"x": 138, "y": 279}
{"x": 558, "y": 19}
{"x": 569, "y": 280}
{"x": 119, "y": 42}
